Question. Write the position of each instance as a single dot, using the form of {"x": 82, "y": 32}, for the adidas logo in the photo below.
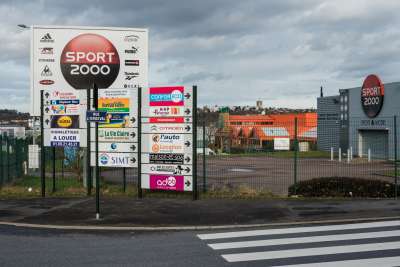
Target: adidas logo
{"x": 46, "y": 71}
{"x": 47, "y": 38}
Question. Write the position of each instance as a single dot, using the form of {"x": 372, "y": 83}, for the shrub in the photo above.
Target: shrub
{"x": 343, "y": 187}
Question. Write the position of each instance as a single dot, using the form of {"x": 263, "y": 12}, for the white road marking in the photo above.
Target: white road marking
{"x": 301, "y": 240}
{"x": 293, "y": 230}
{"x": 279, "y": 254}
{"x": 373, "y": 262}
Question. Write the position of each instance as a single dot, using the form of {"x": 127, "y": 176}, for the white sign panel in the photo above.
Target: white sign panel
{"x": 167, "y": 143}
{"x": 281, "y": 143}
{"x": 33, "y": 156}
{"x": 166, "y": 128}
{"x": 66, "y": 58}
{"x": 115, "y": 147}
{"x": 122, "y": 135}
{"x": 122, "y": 160}
{"x": 60, "y": 102}
{"x": 167, "y": 168}
{"x": 62, "y": 136}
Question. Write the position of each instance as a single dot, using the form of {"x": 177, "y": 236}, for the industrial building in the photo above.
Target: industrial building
{"x": 361, "y": 120}
{"x": 259, "y": 131}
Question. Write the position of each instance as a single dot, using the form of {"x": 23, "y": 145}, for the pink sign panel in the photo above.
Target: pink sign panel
{"x": 166, "y": 96}
{"x": 167, "y": 182}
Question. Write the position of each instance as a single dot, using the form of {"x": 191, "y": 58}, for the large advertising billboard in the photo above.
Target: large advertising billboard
{"x": 65, "y": 58}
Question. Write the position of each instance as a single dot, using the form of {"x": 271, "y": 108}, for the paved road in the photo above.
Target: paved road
{"x": 363, "y": 244}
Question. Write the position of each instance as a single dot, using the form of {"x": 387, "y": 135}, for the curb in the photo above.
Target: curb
{"x": 183, "y": 228}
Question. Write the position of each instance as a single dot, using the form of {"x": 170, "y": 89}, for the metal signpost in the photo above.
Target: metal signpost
{"x": 169, "y": 139}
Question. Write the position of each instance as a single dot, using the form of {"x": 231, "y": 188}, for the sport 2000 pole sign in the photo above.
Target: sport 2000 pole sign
{"x": 69, "y": 58}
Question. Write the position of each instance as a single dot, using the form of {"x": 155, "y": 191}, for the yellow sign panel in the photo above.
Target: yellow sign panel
{"x": 64, "y": 121}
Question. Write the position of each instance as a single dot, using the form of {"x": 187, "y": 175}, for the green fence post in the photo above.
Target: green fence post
{"x": 8, "y": 158}
{"x": 124, "y": 179}
{"x": 1, "y": 161}
{"x": 194, "y": 142}
{"x": 139, "y": 147}
{"x": 204, "y": 157}
{"x": 16, "y": 151}
{"x": 395, "y": 155}
{"x": 295, "y": 156}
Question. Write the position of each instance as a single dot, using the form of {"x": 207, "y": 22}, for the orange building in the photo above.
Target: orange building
{"x": 259, "y": 131}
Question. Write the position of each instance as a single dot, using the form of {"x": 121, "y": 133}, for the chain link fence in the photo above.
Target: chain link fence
{"x": 358, "y": 160}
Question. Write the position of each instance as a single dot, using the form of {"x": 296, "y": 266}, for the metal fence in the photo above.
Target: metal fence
{"x": 13, "y": 159}
{"x": 361, "y": 162}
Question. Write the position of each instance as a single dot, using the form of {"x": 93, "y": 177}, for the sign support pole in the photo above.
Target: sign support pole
{"x": 204, "y": 156}
{"x": 1, "y": 161}
{"x": 295, "y": 156}
{"x": 95, "y": 103}
{"x": 194, "y": 148}
{"x": 88, "y": 148}
{"x": 139, "y": 147}
{"x": 395, "y": 156}
{"x": 54, "y": 169}
{"x": 42, "y": 152}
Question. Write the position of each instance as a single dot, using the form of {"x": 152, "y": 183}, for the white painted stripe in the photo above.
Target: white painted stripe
{"x": 290, "y": 253}
{"x": 299, "y": 230}
{"x": 301, "y": 240}
{"x": 373, "y": 262}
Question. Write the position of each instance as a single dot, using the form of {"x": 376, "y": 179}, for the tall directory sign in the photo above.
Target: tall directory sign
{"x": 75, "y": 58}
{"x": 168, "y": 147}
{"x": 117, "y": 133}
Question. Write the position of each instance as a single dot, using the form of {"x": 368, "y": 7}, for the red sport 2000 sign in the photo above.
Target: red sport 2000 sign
{"x": 90, "y": 58}
{"x": 372, "y": 93}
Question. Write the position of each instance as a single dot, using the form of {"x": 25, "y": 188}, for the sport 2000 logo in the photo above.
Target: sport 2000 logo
{"x": 89, "y": 58}
{"x": 169, "y": 181}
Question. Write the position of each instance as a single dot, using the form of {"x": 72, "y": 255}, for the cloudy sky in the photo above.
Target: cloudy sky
{"x": 235, "y": 51}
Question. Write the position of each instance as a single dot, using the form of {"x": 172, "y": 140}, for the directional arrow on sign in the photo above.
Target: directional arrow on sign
{"x": 187, "y": 95}
{"x": 47, "y": 121}
{"x": 187, "y": 119}
{"x": 47, "y": 94}
{"x": 187, "y": 128}
{"x": 187, "y": 183}
{"x": 133, "y": 160}
{"x": 133, "y": 147}
{"x": 47, "y": 102}
{"x": 187, "y": 111}
{"x": 133, "y": 134}
{"x": 133, "y": 120}
{"x": 47, "y": 109}
{"x": 187, "y": 143}
{"x": 187, "y": 169}
{"x": 187, "y": 159}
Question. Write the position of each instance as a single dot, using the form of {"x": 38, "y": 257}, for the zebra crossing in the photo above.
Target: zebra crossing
{"x": 356, "y": 244}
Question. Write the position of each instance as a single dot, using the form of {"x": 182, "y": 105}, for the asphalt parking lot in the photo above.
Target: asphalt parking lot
{"x": 272, "y": 173}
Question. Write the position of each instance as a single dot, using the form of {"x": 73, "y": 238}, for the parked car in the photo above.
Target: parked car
{"x": 209, "y": 151}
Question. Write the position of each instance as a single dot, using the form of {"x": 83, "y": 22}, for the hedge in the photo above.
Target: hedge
{"x": 344, "y": 187}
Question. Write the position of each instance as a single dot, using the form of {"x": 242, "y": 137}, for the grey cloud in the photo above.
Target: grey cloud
{"x": 280, "y": 51}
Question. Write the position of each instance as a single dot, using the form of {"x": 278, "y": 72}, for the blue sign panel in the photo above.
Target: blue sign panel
{"x": 96, "y": 116}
